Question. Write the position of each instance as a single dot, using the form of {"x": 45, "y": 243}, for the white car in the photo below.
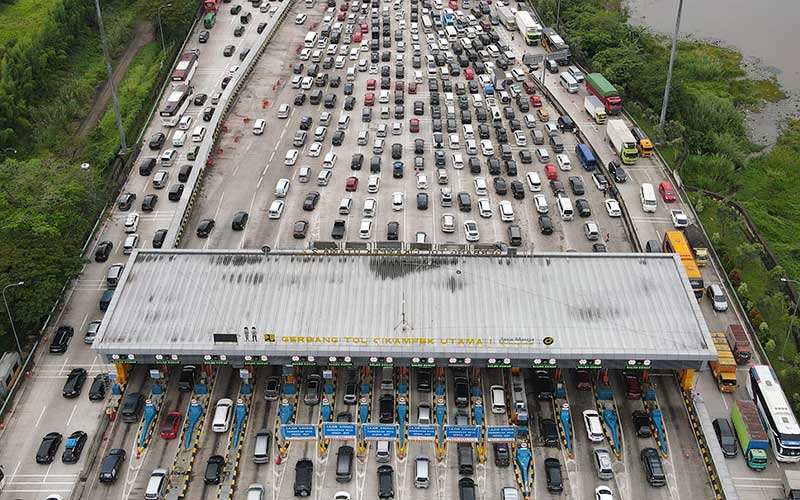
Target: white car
{"x": 519, "y": 138}
{"x": 397, "y": 128}
{"x": 131, "y": 222}
{"x": 594, "y": 428}
{"x": 284, "y": 111}
{"x": 600, "y": 493}
{"x": 486, "y": 147}
{"x": 480, "y": 186}
{"x": 365, "y": 230}
{"x": 282, "y": 188}
{"x": 679, "y": 218}
{"x": 259, "y": 126}
{"x": 300, "y": 19}
{"x": 397, "y": 201}
{"x": 179, "y": 138}
{"x": 563, "y": 162}
{"x": 276, "y": 209}
{"x": 458, "y": 161}
{"x": 306, "y": 83}
{"x": 422, "y": 181}
{"x": 305, "y": 54}
{"x": 315, "y": 149}
{"x": 455, "y": 142}
{"x": 373, "y": 183}
{"x": 506, "y": 211}
{"x": 185, "y": 123}
{"x": 518, "y": 74}
{"x": 291, "y": 157}
{"x": 448, "y": 223}
{"x": 471, "y": 230}
{"x": 131, "y": 242}
{"x": 613, "y": 208}
{"x": 329, "y": 161}
{"x": 484, "y": 207}
{"x": 541, "y": 203}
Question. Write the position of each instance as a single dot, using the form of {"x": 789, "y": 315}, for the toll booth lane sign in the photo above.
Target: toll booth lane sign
{"x": 501, "y": 434}
{"x": 378, "y": 432}
{"x": 299, "y": 432}
{"x": 462, "y": 433}
{"x": 334, "y": 430}
{"x": 421, "y": 432}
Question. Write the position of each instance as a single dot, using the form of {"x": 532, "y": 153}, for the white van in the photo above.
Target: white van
{"x": 383, "y": 451}
{"x": 569, "y": 83}
{"x": 422, "y": 477}
{"x": 565, "y": 207}
{"x": 179, "y": 138}
{"x": 648, "y": 197}
{"x": 345, "y": 206}
{"x": 534, "y": 181}
{"x": 370, "y": 205}
{"x": 222, "y": 415}
{"x": 365, "y": 230}
{"x": 469, "y": 132}
{"x": 156, "y": 485}
{"x": 477, "y": 100}
{"x": 351, "y": 74}
{"x": 324, "y": 178}
{"x": 498, "y": 399}
{"x": 311, "y": 39}
{"x": 344, "y": 122}
{"x": 198, "y": 134}
{"x": 262, "y": 446}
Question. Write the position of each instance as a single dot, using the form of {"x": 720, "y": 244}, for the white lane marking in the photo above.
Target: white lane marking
{"x": 216, "y": 213}
{"x": 72, "y": 414}
{"x": 38, "y": 420}
{"x": 249, "y": 210}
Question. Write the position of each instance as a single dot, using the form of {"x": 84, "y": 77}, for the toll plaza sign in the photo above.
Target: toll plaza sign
{"x": 501, "y": 434}
{"x": 415, "y": 341}
{"x": 462, "y": 433}
{"x": 338, "y": 430}
{"x": 299, "y": 432}
{"x": 378, "y": 432}
{"x": 421, "y": 432}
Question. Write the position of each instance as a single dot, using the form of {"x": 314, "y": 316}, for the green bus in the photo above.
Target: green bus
{"x": 209, "y": 20}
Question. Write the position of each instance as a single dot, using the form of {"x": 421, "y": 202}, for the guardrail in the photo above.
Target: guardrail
{"x": 204, "y": 157}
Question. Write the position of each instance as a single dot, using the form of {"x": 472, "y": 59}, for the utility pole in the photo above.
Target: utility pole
{"x": 671, "y": 63}
{"x": 110, "y": 71}
{"x": 10, "y": 318}
{"x": 161, "y": 30}
{"x": 558, "y": 15}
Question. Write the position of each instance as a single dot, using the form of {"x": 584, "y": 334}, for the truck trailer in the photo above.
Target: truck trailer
{"x": 528, "y": 28}
{"x": 739, "y": 344}
{"x": 791, "y": 484}
{"x": 724, "y": 368}
{"x": 694, "y": 235}
{"x": 750, "y": 431}
{"x": 595, "y": 109}
{"x": 507, "y": 18}
{"x": 622, "y": 141}
{"x": 598, "y": 85}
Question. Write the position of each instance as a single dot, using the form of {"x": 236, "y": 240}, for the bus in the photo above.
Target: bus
{"x": 176, "y": 104}
{"x": 552, "y": 42}
{"x": 211, "y": 5}
{"x": 184, "y": 70}
{"x": 675, "y": 242}
{"x": 775, "y": 413}
{"x": 427, "y": 24}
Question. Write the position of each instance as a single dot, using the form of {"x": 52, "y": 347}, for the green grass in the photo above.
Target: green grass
{"x": 21, "y": 19}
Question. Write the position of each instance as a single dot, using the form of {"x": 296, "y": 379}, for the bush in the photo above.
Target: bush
{"x": 735, "y": 276}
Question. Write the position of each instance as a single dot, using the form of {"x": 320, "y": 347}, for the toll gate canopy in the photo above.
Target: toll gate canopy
{"x": 248, "y": 307}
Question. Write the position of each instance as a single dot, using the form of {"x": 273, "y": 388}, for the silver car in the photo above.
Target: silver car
{"x": 313, "y": 388}
{"x": 273, "y": 389}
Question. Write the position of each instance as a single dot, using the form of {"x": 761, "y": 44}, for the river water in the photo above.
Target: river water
{"x": 764, "y": 31}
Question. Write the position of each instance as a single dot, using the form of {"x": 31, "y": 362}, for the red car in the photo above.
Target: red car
{"x": 584, "y": 380}
{"x": 551, "y": 172}
{"x": 369, "y": 99}
{"x": 344, "y": 7}
{"x": 469, "y": 74}
{"x": 536, "y": 101}
{"x": 341, "y": 17}
{"x": 453, "y": 5}
{"x": 412, "y": 88}
{"x": 665, "y": 188}
{"x": 351, "y": 185}
{"x": 364, "y": 28}
{"x": 357, "y": 37}
{"x": 530, "y": 89}
{"x": 172, "y": 422}
{"x": 371, "y": 84}
{"x": 413, "y": 125}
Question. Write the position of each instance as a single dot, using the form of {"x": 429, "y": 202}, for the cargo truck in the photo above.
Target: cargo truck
{"x": 752, "y": 436}
{"x": 595, "y": 109}
{"x": 724, "y": 368}
{"x": 598, "y": 85}
{"x": 622, "y": 141}
{"x": 507, "y": 18}
{"x": 528, "y": 28}
{"x": 791, "y": 484}
{"x": 694, "y": 235}
{"x": 739, "y": 344}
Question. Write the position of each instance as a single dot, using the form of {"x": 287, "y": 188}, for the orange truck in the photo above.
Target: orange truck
{"x": 724, "y": 368}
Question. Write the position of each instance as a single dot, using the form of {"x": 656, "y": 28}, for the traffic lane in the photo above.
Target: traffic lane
{"x": 580, "y": 468}
{"x": 628, "y": 475}
{"x": 260, "y": 417}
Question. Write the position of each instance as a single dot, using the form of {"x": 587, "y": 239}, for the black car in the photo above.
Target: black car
{"x": 74, "y": 383}
{"x": 500, "y": 186}
{"x": 214, "y": 467}
{"x": 200, "y": 99}
{"x": 545, "y": 224}
{"x": 617, "y": 173}
{"x": 226, "y": 81}
{"x": 392, "y": 231}
{"x": 300, "y": 229}
{"x": 239, "y": 221}
{"x": 385, "y": 482}
{"x": 110, "y": 466}
{"x": 203, "y": 38}
{"x": 583, "y": 208}
{"x": 157, "y": 140}
{"x": 299, "y": 99}
{"x": 338, "y": 230}
{"x": 73, "y": 447}
{"x": 386, "y": 409}
{"x": 146, "y": 166}
{"x": 356, "y": 161}
{"x": 641, "y": 422}
{"x": 261, "y": 27}
{"x": 243, "y": 54}
{"x": 548, "y": 431}
{"x": 552, "y": 472}
{"x": 305, "y": 122}
{"x": 726, "y": 437}
{"x": 310, "y": 203}
{"x": 462, "y": 392}
{"x": 159, "y": 237}
{"x": 149, "y": 202}
{"x": 511, "y": 168}
{"x": 97, "y": 392}
{"x": 543, "y": 385}
{"x": 228, "y": 50}
{"x": 338, "y": 138}
{"x": 502, "y": 454}
{"x": 517, "y": 190}
{"x": 236, "y": 9}
{"x": 102, "y": 251}
{"x": 576, "y": 184}
{"x": 599, "y": 248}
{"x": 208, "y": 113}
{"x": 205, "y": 227}
{"x": 557, "y": 187}
{"x": 47, "y": 450}
{"x": 349, "y": 102}
{"x": 493, "y": 164}
{"x": 61, "y": 339}
{"x": 397, "y": 151}
{"x": 466, "y": 489}
{"x": 422, "y": 201}
{"x": 303, "y": 475}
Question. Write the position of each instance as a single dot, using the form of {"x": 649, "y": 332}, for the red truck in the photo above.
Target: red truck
{"x": 739, "y": 344}
{"x": 597, "y": 85}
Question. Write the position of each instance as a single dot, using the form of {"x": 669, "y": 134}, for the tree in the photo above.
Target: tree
{"x": 769, "y": 346}
{"x": 746, "y": 252}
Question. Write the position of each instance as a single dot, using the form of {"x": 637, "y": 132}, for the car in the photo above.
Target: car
{"x": 617, "y": 172}
{"x": 157, "y": 140}
{"x": 48, "y": 448}
{"x": 603, "y": 493}
{"x": 126, "y": 201}
{"x": 552, "y": 472}
{"x": 397, "y": 201}
{"x": 351, "y": 184}
{"x": 550, "y": 172}
{"x": 276, "y": 209}
{"x": 726, "y": 437}
{"x": 110, "y": 467}
{"x": 612, "y": 207}
{"x": 272, "y": 390}
{"x": 540, "y": 202}
{"x": 484, "y": 207}
{"x": 239, "y": 221}
{"x": 97, "y": 391}
{"x": 159, "y": 237}
{"x": 312, "y": 389}
{"x": 303, "y": 477}
{"x": 300, "y": 19}
{"x": 236, "y": 9}
{"x": 61, "y": 339}
{"x": 679, "y": 218}
{"x": 205, "y": 227}
{"x": 422, "y": 201}
{"x": 506, "y": 211}
{"x": 563, "y": 162}
{"x": 545, "y": 224}
{"x": 593, "y": 425}
{"x": 299, "y": 229}
{"x": 471, "y": 231}
{"x": 214, "y": 468}
{"x": 583, "y": 208}
{"x": 392, "y": 231}
{"x": 238, "y": 31}
{"x": 486, "y": 147}
{"x": 228, "y": 50}
{"x": 74, "y": 384}
{"x": 583, "y": 380}
{"x": 315, "y": 149}
{"x": 149, "y": 202}
{"x": 576, "y": 184}
{"x": 667, "y": 192}
{"x": 171, "y": 425}
{"x": 385, "y": 482}
{"x": 641, "y": 422}
{"x": 717, "y": 297}
{"x": 74, "y": 447}
{"x": 310, "y": 203}
{"x": 291, "y": 157}
{"x": 600, "y": 182}
{"x": 102, "y": 251}
{"x": 203, "y": 37}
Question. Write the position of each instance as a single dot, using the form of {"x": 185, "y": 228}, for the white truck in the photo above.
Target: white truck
{"x": 507, "y": 18}
{"x": 595, "y": 108}
{"x": 528, "y": 28}
{"x": 621, "y": 139}
{"x": 791, "y": 484}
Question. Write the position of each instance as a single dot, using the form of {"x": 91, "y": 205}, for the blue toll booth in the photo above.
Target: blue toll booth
{"x": 524, "y": 462}
{"x": 285, "y": 411}
{"x": 565, "y": 423}
{"x": 658, "y": 423}
{"x": 241, "y": 413}
{"x": 194, "y": 412}
{"x": 325, "y": 410}
{"x": 402, "y": 410}
{"x": 612, "y": 421}
{"x": 478, "y": 413}
{"x": 149, "y": 415}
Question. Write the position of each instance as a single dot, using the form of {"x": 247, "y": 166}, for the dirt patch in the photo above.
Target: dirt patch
{"x": 141, "y": 35}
